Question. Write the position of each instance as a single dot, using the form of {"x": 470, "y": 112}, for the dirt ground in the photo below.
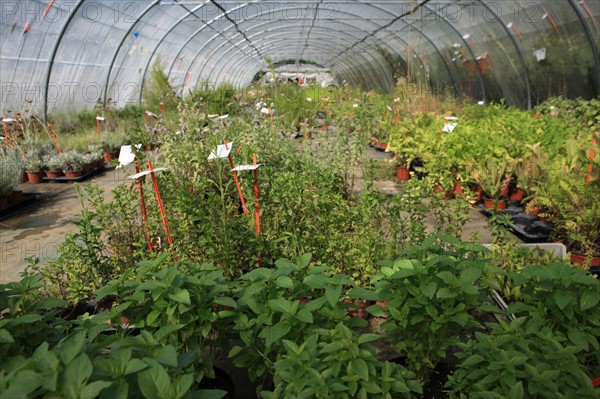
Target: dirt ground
{"x": 38, "y": 230}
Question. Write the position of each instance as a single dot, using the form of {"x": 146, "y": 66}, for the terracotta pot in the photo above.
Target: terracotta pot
{"x": 109, "y": 156}
{"x": 580, "y": 259}
{"x": 517, "y": 195}
{"x": 439, "y": 190}
{"x": 458, "y": 188}
{"x": 54, "y": 174}
{"x": 402, "y": 173}
{"x": 532, "y": 210}
{"x": 492, "y": 203}
{"x": 35, "y": 177}
{"x": 73, "y": 174}
{"x": 23, "y": 178}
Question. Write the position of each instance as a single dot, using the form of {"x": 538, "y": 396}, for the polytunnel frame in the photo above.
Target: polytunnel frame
{"x": 355, "y": 76}
{"x": 175, "y": 25}
{"x": 53, "y": 55}
{"x": 593, "y": 45}
{"x": 356, "y": 37}
{"x": 118, "y": 50}
{"x": 75, "y": 9}
{"x": 452, "y": 79}
{"x": 193, "y": 61}
{"x": 229, "y": 40}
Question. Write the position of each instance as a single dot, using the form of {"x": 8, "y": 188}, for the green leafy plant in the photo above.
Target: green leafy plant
{"x": 12, "y": 170}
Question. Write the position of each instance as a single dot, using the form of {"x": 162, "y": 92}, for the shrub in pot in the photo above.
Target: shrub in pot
{"x": 34, "y": 169}
{"x": 72, "y": 164}
{"x": 53, "y": 165}
{"x": 493, "y": 176}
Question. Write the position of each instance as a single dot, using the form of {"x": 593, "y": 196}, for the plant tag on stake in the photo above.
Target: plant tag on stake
{"x": 450, "y": 124}
{"x": 99, "y": 118}
{"x": 146, "y": 172}
{"x": 245, "y": 167}
{"x": 126, "y": 155}
{"x": 221, "y": 152}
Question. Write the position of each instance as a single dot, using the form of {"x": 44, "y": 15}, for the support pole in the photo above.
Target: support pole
{"x": 55, "y": 138}
{"x": 235, "y": 177}
{"x": 160, "y": 203}
{"x": 144, "y": 209}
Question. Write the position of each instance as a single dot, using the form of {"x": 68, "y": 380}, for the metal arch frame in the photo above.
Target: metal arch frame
{"x": 366, "y": 20}
{"x": 214, "y": 36}
{"x": 481, "y": 81}
{"x": 590, "y": 36}
{"x": 519, "y": 52}
{"x": 444, "y": 61}
{"x": 172, "y": 28}
{"x": 53, "y": 55}
{"x": 118, "y": 50}
{"x": 262, "y": 33}
{"x": 298, "y": 42}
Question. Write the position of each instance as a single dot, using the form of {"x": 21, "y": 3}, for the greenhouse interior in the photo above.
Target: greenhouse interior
{"x": 308, "y": 199}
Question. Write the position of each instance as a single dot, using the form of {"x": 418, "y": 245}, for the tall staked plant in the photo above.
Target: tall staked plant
{"x": 157, "y": 90}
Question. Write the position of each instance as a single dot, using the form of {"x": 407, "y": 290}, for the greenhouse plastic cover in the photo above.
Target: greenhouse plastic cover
{"x": 81, "y": 54}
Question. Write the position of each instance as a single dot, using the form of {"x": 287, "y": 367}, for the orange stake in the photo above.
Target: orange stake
{"x": 160, "y": 204}
{"x": 98, "y": 124}
{"x": 162, "y": 107}
{"x": 54, "y": 137}
{"x": 235, "y": 177}
{"x": 588, "y": 11}
{"x": 144, "y": 209}
{"x": 48, "y": 8}
{"x": 547, "y": 15}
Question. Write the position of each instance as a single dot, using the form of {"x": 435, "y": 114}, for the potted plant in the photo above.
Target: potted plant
{"x": 493, "y": 177}
{"x": 530, "y": 172}
{"x": 111, "y": 144}
{"x": 573, "y": 203}
{"x": 403, "y": 142}
{"x": 34, "y": 168}
{"x": 72, "y": 165}
{"x": 53, "y": 165}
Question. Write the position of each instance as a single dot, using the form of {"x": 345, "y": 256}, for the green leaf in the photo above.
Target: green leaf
{"x": 363, "y": 293}
{"x": 285, "y": 264}
{"x": 181, "y": 296}
{"x": 284, "y": 282}
{"x": 315, "y": 304}
{"x": 49, "y": 303}
{"x": 589, "y": 299}
{"x": 6, "y": 337}
{"x": 154, "y": 382}
{"x": 281, "y": 305}
{"x": 363, "y": 339}
{"x": 22, "y": 384}
{"x": 135, "y": 365}
{"x": 469, "y": 275}
{"x": 360, "y": 368}
{"x": 333, "y": 293}
{"x": 274, "y": 333}
{"x": 182, "y": 385}
{"x": 429, "y": 289}
{"x": 225, "y": 301}
{"x": 92, "y": 390}
{"x": 376, "y": 310}
{"x": 71, "y": 347}
{"x": 315, "y": 281}
{"x": 448, "y": 278}
{"x": 76, "y": 374}
{"x": 304, "y": 260}
{"x": 516, "y": 391}
{"x": 234, "y": 351}
{"x": 166, "y": 355}
{"x": 152, "y": 317}
{"x": 472, "y": 360}
{"x": 166, "y": 330}
{"x": 305, "y": 316}
{"x": 445, "y": 293}
{"x": 562, "y": 299}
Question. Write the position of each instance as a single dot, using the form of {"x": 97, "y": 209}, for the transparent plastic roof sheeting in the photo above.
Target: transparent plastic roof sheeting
{"x": 58, "y": 54}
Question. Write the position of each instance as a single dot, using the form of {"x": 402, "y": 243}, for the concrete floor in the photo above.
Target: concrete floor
{"x": 38, "y": 230}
